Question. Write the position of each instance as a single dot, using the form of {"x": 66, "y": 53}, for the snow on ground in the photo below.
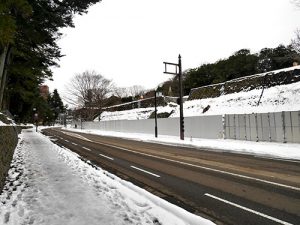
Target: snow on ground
{"x": 1, "y": 123}
{"x": 10, "y": 122}
{"x": 51, "y": 185}
{"x": 273, "y": 150}
{"x": 135, "y": 114}
{"x": 275, "y": 99}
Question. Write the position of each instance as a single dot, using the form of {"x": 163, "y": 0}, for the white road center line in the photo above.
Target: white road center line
{"x": 145, "y": 171}
{"x": 107, "y": 157}
{"x": 248, "y": 210}
{"x": 66, "y": 140}
{"x": 75, "y": 135}
{"x": 203, "y": 167}
{"x": 87, "y": 148}
{"x": 74, "y": 143}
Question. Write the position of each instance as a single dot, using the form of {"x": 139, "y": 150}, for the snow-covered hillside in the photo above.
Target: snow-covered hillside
{"x": 274, "y": 99}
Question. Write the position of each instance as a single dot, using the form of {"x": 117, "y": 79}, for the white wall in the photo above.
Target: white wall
{"x": 274, "y": 127}
{"x": 196, "y": 127}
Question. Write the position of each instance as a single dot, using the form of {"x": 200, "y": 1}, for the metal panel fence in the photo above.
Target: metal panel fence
{"x": 195, "y": 127}
{"x": 272, "y": 127}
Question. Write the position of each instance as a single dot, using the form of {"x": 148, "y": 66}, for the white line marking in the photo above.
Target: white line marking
{"x": 66, "y": 140}
{"x": 279, "y": 159}
{"x": 247, "y": 209}
{"x": 74, "y": 143}
{"x": 201, "y": 167}
{"x": 206, "y": 168}
{"x": 87, "y": 149}
{"x": 145, "y": 171}
{"x": 75, "y": 135}
{"x": 105, "y": 156}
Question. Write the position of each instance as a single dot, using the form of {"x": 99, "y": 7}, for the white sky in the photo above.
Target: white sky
{"x": 127, "y": 41}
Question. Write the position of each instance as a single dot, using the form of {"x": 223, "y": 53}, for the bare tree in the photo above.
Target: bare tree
{"x": 120, "y": 92}
{"x": 136, "y": 90}
{"x": 296, "y": 41}
{"x": 88, "y": 90}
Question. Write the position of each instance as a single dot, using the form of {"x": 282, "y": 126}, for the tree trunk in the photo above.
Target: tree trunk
{"x": 2, "y": 63}
{"x": 4, "y": 60}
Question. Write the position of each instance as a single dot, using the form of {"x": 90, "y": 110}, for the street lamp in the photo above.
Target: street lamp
{"x": 178, "y": 71}
{"x": 35, "y": 118}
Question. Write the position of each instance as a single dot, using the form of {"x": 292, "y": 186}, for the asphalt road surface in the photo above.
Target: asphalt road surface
{"x": 223, "y": 187}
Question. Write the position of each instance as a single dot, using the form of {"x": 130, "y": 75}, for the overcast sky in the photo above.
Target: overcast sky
{"x": 127, "y": 41}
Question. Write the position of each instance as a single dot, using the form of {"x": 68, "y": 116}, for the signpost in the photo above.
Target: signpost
{"x": 178, "y": 71}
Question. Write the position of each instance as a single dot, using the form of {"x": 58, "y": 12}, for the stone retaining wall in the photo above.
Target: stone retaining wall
{"x": 248, "y": 83}
{"x": 8, "y": 143}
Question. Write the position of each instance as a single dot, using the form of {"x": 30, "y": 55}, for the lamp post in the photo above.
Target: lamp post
{"x": 178, "y": 71}
{"x": 35, "y": 118}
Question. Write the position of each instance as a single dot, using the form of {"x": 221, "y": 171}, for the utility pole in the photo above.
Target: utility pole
{"x": 178, "y": 71}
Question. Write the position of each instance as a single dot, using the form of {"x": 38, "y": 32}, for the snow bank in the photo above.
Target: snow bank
{"x": 260, "y": 149}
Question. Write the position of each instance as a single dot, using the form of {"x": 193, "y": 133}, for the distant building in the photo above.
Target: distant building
{"x": 44, "y": 91}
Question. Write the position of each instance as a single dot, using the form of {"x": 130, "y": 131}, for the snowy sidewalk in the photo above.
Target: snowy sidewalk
{"x": 51, "y": 185}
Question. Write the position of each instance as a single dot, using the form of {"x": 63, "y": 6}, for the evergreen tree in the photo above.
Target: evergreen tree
{"x": 29, "y": 30}
{"x": 276, "y": 58}
{"x": 241, "y": 63}
{"x": 55, "y": 103}
{"x": 9, "y": 10}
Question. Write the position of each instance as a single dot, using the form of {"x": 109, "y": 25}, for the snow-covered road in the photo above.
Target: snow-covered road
{"x": 51, "y": 185}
